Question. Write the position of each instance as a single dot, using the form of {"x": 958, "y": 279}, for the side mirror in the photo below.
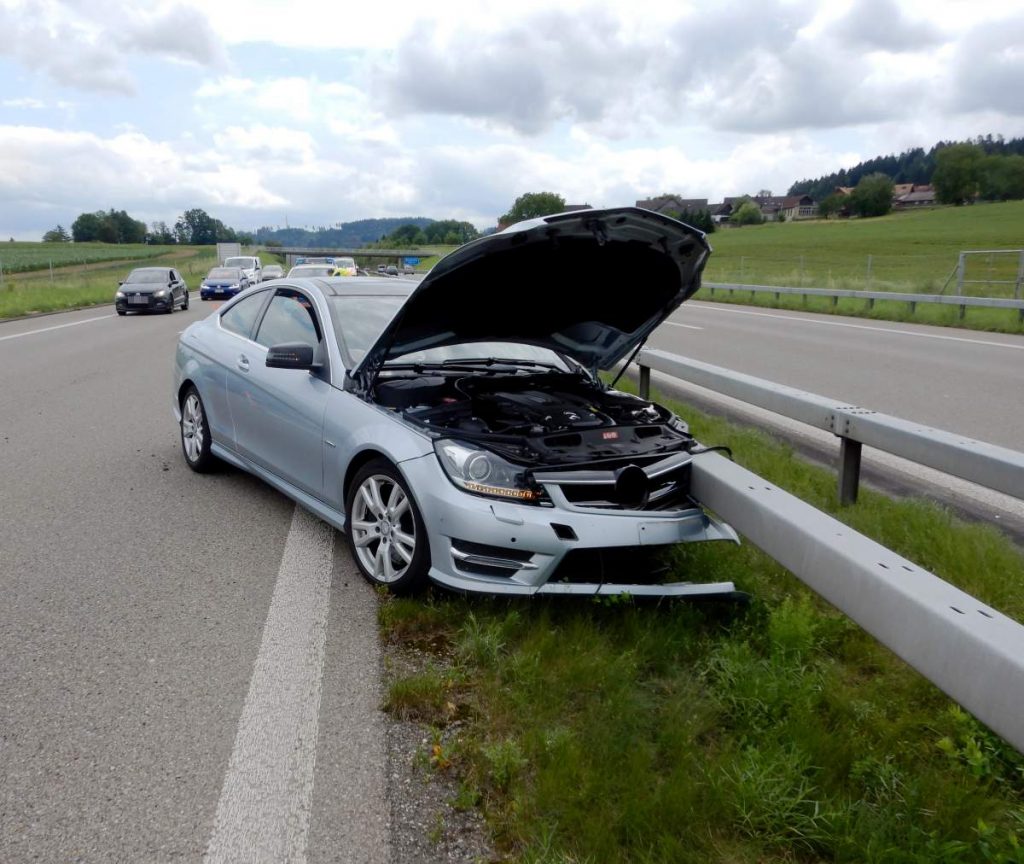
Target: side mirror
{"x": 120, "y": 282}
{"x": 291, "y": 355}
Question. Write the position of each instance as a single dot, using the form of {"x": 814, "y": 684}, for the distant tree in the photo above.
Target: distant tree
{"x": 160, "y": 234}
{"x": 86, "y": 228}
{"x": 57, "y": 235}
{"x": 831, "y": 204}
{"x": 748, "y": 213}
{"x": 196, "y": 227}
{"x": 765, "y": 193}
{"x": 957, "y": 172}
{"x": 1001, "y": 178}
{"x": 873, "y": 195}
{"x": 110, "y": 226}
{"x": 532, "y": 205}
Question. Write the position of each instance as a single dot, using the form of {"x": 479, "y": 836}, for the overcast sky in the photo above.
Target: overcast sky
{"x": 318, "y": 113}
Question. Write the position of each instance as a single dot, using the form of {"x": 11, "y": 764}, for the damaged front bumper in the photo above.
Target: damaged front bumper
{"x": 580, "y": 547}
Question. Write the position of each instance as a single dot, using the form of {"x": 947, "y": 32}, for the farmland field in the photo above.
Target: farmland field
{"x": 905, "y": 251}
{"x": 24, "y": 257}
{"x": 94, "y": 282}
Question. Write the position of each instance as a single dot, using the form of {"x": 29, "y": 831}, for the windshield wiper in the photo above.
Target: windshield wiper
{"x": 499, "y": 361}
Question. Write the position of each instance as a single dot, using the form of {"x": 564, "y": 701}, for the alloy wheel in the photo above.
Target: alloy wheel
{"x": 383, "y": 528}
{"x": 192, "y": 430}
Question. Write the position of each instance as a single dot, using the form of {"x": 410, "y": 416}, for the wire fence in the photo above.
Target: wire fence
{"x": 987, "y": 273}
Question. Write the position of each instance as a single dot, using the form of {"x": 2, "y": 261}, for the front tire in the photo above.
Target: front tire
{"x": 386, "y": 534}
{"x": 195, "y": 433}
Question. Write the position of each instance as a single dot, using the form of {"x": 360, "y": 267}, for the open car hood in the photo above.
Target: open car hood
{"x": 590, "y": 284}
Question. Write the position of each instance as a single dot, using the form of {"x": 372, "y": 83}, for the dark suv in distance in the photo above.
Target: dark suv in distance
{"x": 153, "y": 289}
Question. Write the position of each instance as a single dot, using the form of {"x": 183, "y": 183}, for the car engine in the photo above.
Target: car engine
{"x": 537, "y": 419}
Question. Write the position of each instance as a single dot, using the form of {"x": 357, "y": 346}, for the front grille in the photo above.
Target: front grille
{"x": 669, "y": 491}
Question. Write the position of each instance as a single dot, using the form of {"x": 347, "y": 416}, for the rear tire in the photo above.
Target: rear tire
{"x": 184, "y": 302}
{"x": 195, "y": 433}
{"x": 386, "y": 534}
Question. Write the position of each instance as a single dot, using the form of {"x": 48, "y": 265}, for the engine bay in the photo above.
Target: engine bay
{"x": 549, "y": 418}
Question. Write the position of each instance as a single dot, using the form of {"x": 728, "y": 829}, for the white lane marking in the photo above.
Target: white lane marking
{"x": 55, "y": 327}
{"x": 265, "y": 802}
{"x": 863, "y": 327}
{"x": 687, "y": 326}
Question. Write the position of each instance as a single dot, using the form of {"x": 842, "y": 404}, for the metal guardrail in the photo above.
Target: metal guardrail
{"x": 872, "y": 296}
{"x": 977, "y": 461}
{"x": 972, "y": 652}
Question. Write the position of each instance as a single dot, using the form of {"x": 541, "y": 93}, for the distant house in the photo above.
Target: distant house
{"x": 673, "y": 204}
{"x": 774, "y": 208}
{"x": 921, "y": 195}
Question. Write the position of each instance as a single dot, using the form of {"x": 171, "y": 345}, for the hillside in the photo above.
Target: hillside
{"x": 909, "y": 250}
{"x": 348, "y": 234}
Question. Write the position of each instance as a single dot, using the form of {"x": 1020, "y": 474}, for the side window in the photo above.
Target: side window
{"x": 241, "y": 317}
{"x": 289, "y": 318}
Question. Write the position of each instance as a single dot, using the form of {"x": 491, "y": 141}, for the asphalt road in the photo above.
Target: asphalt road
{"x": 964, "y": 381}
{"x": 190, "y": 665}
{"x": 151, "y": 616}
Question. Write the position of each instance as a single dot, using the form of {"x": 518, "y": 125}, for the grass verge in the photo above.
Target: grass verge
{"x": 780, "y": 732}
{"x": 70, "y": 288}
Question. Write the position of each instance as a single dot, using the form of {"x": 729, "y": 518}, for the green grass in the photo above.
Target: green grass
{"x": 73, "y": 287}
{"x": 621, "y": 732}
{"x": 23, "y": 257}
{"x": 910, "y": 250}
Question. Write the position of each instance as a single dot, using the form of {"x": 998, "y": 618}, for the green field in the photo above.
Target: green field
{"x": 93, "y": 283}
{"x": 607, "y": 733}
{"x": 24, "y": 257}
{"x": 910, "y": 251}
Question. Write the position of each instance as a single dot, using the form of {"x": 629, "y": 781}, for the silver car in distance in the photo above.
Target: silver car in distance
{"x": 456, "y": 429}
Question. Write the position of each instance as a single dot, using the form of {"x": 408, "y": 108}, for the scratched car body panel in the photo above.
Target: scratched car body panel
{"x": 456, "y": 429}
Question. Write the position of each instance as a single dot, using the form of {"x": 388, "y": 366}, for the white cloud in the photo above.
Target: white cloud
{"x": 83, "y": 45}
{"x": 23, "y": 103}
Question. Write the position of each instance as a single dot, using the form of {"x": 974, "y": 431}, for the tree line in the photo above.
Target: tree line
{"x": 916, "y": 166}
{"x": 195, "y": 227}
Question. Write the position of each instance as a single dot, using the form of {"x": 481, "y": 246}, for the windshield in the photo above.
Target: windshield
{"x": 224, "y": 273}
{"x": 344, "y": 262}
{"x": 359, "y": 320}
{"x": 146, "y": 276}
{"x": 238, "y": 262}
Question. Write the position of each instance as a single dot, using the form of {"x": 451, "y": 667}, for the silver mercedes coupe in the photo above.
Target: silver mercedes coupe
{"x": 456, "y": 429}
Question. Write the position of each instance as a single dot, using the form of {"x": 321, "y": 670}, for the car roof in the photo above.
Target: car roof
{"x": 148, "y": 269}
{"x": 354, "y": 286}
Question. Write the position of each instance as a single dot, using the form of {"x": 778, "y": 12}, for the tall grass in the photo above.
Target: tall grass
{"x": 776, "y": 732}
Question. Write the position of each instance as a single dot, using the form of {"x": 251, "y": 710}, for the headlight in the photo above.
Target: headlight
{"x": 119, "y": 295}
{"x": 483, "y": 472}
{"x": 160, "y": 293}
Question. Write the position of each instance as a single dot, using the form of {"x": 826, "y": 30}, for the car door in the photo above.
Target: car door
{"x": 279, "y": 416}
{"x": 179, "y": 285}
{"x": 228, "y": 345}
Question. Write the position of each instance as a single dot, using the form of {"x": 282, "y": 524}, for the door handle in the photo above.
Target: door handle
{"x": 243, "y": 362}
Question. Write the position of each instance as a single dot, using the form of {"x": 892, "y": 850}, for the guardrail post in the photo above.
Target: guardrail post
{"x": 963, "y": 311}
{"x": 849, "y": 470}
{"x": 645, "y": 382}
